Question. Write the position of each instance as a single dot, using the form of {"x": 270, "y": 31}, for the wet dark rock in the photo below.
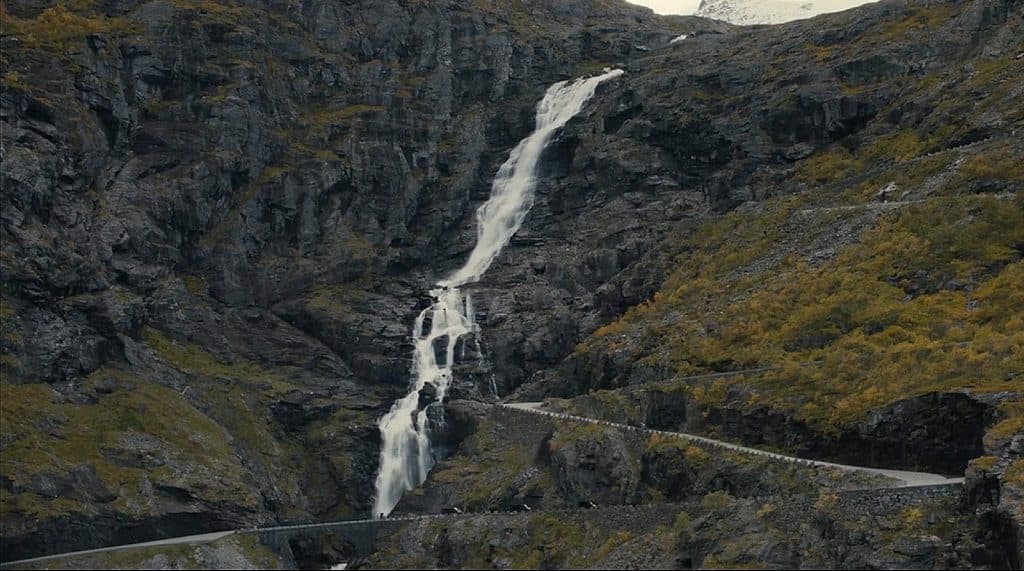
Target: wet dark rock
{"x": 427, "y": 395}
{"x": 598, "y": 469}
{"x": 298, "y": 410}
{"x": 461, "y": 418}
{"x": 214, "y": 198}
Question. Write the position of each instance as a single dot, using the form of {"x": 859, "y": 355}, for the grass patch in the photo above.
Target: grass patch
{"x": 193, "y": 358}
{"x": 924, "y": 302}
{"x": 829, "y": 167}
{"x": 719, "y": 500}
{"x": 319, "y": 122}
{"x": 46, "y": 435}
{"x": 571, "y": 432}
{"x": 195, "y": 285}
{"x": 1014, "y": 473}
{"x": 1012, "y": 422}
{"x": 59, "y": 27}
{"x": 1000, "y": 165}
{"x": 918, "y": 20}
{"x": 664, "y": 444}
{"x": 985, "y": 463}
{"x": 613, "y": 542}
{"x": 552, "y": 542}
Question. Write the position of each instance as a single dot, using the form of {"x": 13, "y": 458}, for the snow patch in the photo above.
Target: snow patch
{"x": 749, "y": 12}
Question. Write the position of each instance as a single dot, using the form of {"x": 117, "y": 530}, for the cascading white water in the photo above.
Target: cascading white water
{"x": 512, "y": 191}
{"x": 406, "y": 456}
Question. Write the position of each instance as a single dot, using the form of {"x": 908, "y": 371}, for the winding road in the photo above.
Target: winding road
{"x": 189, "y": 539}
{"x": 905, "y": 479}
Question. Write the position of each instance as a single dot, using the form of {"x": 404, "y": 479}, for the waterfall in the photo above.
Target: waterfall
{"x": 406, "y": 456}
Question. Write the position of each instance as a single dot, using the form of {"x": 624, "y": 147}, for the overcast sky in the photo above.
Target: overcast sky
{"x": 669, "y": 6}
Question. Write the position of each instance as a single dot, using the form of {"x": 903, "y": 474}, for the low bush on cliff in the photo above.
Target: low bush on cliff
{"x": 1012, "y": 413}
{"x": 552, "y": 542}
{"x": 1015, "y": 473}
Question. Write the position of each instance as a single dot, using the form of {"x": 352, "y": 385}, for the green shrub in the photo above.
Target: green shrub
{"x": 1014, "y": 473}
{"x": 717, "y": 500}
{"x": 828, "y": 167}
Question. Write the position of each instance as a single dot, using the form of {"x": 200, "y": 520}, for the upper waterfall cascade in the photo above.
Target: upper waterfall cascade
{"x": 406, "y": 455}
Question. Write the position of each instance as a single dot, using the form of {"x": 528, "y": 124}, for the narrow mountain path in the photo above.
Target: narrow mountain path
{"x": 906, "y": 478}
{"x": 894, "y": 204}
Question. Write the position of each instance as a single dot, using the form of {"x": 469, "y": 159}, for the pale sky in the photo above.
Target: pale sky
{"x": 669, "y": 6}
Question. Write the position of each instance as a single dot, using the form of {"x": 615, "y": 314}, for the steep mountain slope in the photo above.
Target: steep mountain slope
{"x": 658, "y": 502}
{"x": 848, "y": 287}
{"x": 882, "y": 266}
{"x": 749, "y": 12}
{"x": 214, "y": 219}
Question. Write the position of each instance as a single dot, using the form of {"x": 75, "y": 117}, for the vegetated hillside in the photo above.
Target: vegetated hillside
{"x": 657, "y": 501}
{"x": 884, "y": 262}
{"x": 869, "y": 165}
{"x": 860, "y": 259}
{"x": 216, "y": 220}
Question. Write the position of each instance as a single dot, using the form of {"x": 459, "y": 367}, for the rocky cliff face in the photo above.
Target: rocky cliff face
{"x": 869, "y": 207}
{"x": 726, "y": 509}
{"x": 218, "y": 220}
